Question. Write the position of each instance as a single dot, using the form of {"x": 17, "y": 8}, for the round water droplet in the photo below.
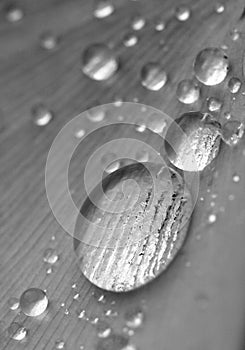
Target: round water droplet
{"x": 13, "y": 13}
{"x": 213, "y": 104}
{"x": 236, "y": 178}
{"x": 130, "y": 39}
{"x": 17, "y": 331}
{"x": 103, "y": 329}
{"x": 99, "y": 62}
{"x": 234, "y": 85}
{"x": 50, "y": 256}
{"x": 141, "y": 128}
{"x": 33, "y": 302}
{"x": 192, "y": 141}
{"x": 138, "y": 23}
{"x": 160, "y": 25}
{"x": 219, "y": 8}
{"x": 13, "y": 303}
{"x": 113, "y": 342}
{"x": 232, "y": 132}
{"x": 134, "y": 318}
{"x": 96, "y": 115}
{"x": 103, "y": 9}
{"x": 79, "y": 133}
{"x": 59, "y": 344}
{"x": 212, "y": 218}
{"x": 153, "y": 76}
{"x": 138, "y": 236}
{"x": 235, "y": 34}
{"x": 48, "y": 41}
{"x": 187, "y": 91}
{"x": 182, "y": 13}
{"x": 41, "y": 115}
{"x": 211, "y": 66}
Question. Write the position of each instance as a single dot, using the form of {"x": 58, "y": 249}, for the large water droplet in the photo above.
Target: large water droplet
{"x": 99, "y": 62}
{"x": 192, "y": 141}
{"x": 41, "y": 115}
{"x": 13, "y": 13}
{"x": 232, "y": 132}
{"x": 130, "y": 39}
{"x": 138, "y": 236}
{"x": 48, "y": 41}
{"x": 33, "y": 302}
{"x": 13, "y": 303}
{"x": 153, "y": 76}
{"x": 104, "y": 8}
{"x": 187, "y": 91}
{"x": 17, "y": 331}
{"x": 211, "y": 66}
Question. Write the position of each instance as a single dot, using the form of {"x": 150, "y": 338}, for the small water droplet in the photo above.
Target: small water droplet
{"x": 188, "y": 91}
{"x": 182, "y": 13}
{"x": 59, "y": 344}
{"x": 41, "y": 115}
{"x": 67, "y": 312}
{"x": 79, "y": 133}
{"x": 192, "y": 141}
{"x": 128, "y": 331}
{"x": 140, "y": 128}
{"x": 99, "y": 62}
{"x": 234, "y": 85}
{"x": 96, "y": 115}
{"x": 103, "y": 9}
{"x": 153, "y": 76}
{"x": 103, "y": 329}
{"x": 212, "y": 218}
{"x": 48, "y": 41}
{"x": 49, "y": 271}
{"x": 50, "y": 256}
{"x": 33, "y": 302}
{"x": 13, "y": 303}
{"x": 235, "y": 34}
{"x": 130, "y": 39}
{"x": 219, "y": 8}
{"x": 213, "y": 104}
{"x": 134, "y": 318}
{"x": 74, "y": 286}
{"x": 232, "y": 132}
{"x": 17, "y": 331}
{"x": 13, "y": 13}
{"x": 138, "y": 23}
{"x": 236, "y": 178}
{"x": 160, "y": 25}
{"x": 211, "y": 66}
{"x": 82, "y": 314}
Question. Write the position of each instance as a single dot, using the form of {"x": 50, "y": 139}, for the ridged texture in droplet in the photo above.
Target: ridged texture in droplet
{"x": 187, "y": 91}
{"x": 192, "y": 141}
{"x": 33, "y": 302}
{"x": 129, "y": 241}
{"x": 211, "y": 66}
{"x": 153, "y": 76}
{"x": 99, "y": 62}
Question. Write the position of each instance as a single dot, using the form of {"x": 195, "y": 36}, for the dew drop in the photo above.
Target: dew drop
{"x": 99, "y": 62}
{"x": 103, "y": 329}
{"x": 110, "y": 162}
{"x": 48, "y": 41}
{"x": 103, "y": 9}
{"x": 160, "y": 25}
{"x": 212, "y": 218}
{"x": 50, "y": 256}
{"x": 192, "y": 141}
{"x": 79, "y": 133}
{"x": 219, "y": 8}
{"x": 182, "y": 13}
{"x": 236, "y": 178}
{"x": 107, "y": 253}
{"x": 17, "y": 331}
{"x": 33, "y": 302}
{"x": 13, "y": 303}
{"x": 138, "y": 23}
{"x": 187, "y": 91}
{"x": 140, "y": 128}
{"x": 130, "y": 40}
{"x": 211, "y": 66}
{"x": 153, "y": 76}
{"x": 234, "y": 85}
{"x": 82, "y": 314}
{"x": 232, "y": 132}
{"x": 213, "y": 104}
{"x": 13, "y": 13}
{"x": 134, "y": 318}
{"x": 41, "y": 115}
{"x": 156, "y": 123}
{"x": 59, "y": 344}
{"x": 96, "y": 114}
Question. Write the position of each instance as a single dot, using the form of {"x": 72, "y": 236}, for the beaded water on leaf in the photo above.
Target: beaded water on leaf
{"x": 138, "y": 235}
{"x": 192, "y": 141}
{"x": 16, "y": 331}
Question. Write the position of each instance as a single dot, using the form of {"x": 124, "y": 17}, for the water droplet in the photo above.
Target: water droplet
{"x": 13, "y": 303}
{"x": 188, "y": 91}
{"x": 160, "y": 25}
{"x": 17, "y": 331}
{"x": 49, "y": 270}
{"x": 153, "y": 76}
{"x": 110, "y": 162}
{"x": 236, "y": 178}
{"x": 79, "y": 133}
{"x": 33, "y": 302}
{"x": 74, "y": 286}
{"x": 82, "y": 314}
{"x": 76, "y": 296}
{"x": 212, "y": 218}
{"x": 103, "y": 9}
{"x": 140, "y": 128}
{"x": 50, "y": 256}
{"x": 134, "y": 318}
{"x": 48, "y": 41}
{"x": 101, "y": 299}
{"x": 227, "y": 115}
{"x": 67, "y": 312}
{"x": 103, "y": 329}
{"x": 213, "y": 104}
{"x": 234, "y": 85}
{"x": 13, "y": 13}
{"x": 232, "y": 132}
{"x": 192, "y": 141}
{"x": 138, "y": 23}
{"x": 113, "y": 342}
{"x": 211, "y": 66}
{"x": 156, "y": 123}
{"x": 235, "y": 34}
{"x": 59, "y": 344}
{"x": 182, "y": 13}
{"x": 130, "y": 39}
{"x": 96, "y": 115}
{"x": 219, "y": 8}
{"x": 145, "y": 232}
{"x": 41, "y": 115}
{"x": 99, "y": 62}
{"x": 128, "y": 331}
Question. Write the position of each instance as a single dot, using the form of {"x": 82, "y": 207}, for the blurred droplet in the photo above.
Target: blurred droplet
{"x": 142, "y": 156}
{"x": 153, "y": 76}
{"x": 232, "y": 132}
{"x": 103, "y": 329}
{"x": 33, "y": 302}
{"x": 187, "y": 91}
{"x": 234, "y": 85}
{"x": 41, "y": 115}
{"x": 211, "y": 66}
{"x": 212, "y": 218}
{"x": 99, "y": 62}
{"x": 103, "y": 9}
{"x": 138, "y": 23}
{"x": 59, "y": 344}
{"x": 50, "y": 256}
{"x": 134, "y": 318}
{"x": 79, "y": 133}
{"x": 48, "y": 41}
{"x": 236, "y": 178}
{"x": 130, "y": 39}
{"x": 13, "y": 13}
{"x": 219, "y": 8}
{"x": 160, "y": 25}
{"x": 110, "y": 162}
{"x": 17, "y": 331}
{"x": 113, "y": 342}
{"x": 213, "y": 104}
{"x": 182, "y": 13}
{"x": 235, "y": 34}
{"x": 13, "y": 303}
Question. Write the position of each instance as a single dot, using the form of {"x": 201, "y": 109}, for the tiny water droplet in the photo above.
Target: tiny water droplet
{"x": 236, "y": 178}
{"x": 232, "y": 132}
{"x": 50, "y": 256}
{"x": 59, "y": 344}
{"x": 128, "y": 331}
{"x": 13, "y": 13}
{"x": 182, "y": 13}
{"x": 99, "y": 62}
{"x": 219, "y": 8}
{"x": 48, "y": 41}
{"x": 67, "y": 312}
{"x": 138, "y": 23}
{"x": 74, "y": 286}
{"x": 103, "y": 329}
{"x": 134, "y": 318}
{"x": 213, "y": 104}
{"x": 33, "y": 302}
{"x": 13, "y": 303}
{"x": 41, "y": 115}
{"x": 234, "y": 85}
{"x": 211, "y": 66}
{"x": 188, "y": 91}
{"x": 103, "y": 9}
{"x": 160, "y": 25}
{"x": 130, "y": 39}
{"x": 79, "y": 133}
{"x": 153, "y": 76}
{"x": 76, "y": 296}
{"x": 110, "y": 162}
{"x": 82, "y": 314}
{"x": 212, "y": 218}
{"x": 17, "y": 331}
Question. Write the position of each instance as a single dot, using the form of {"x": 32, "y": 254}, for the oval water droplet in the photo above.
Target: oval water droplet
{"x": 50, "y": 256}
{"x": 48, "y": 41}
{"x": 213, "y": 104}
{"x": 192, "y": 141}
{"x": 17, "y": 331}
{"x": 41, "y": 115}
{"x": 137, "y": 236}
{"x": 13, "y": 13}
{"x": 99, "y": 62}
{"x": 211, "y": 66}
{"x": 232, "y": 132}
{"x": 33, "y": 302}
{"x": 103, "y": 9}
{"x": 103, "y": 329}
{"x": 234, "y": 85}
{"x": 188, "y": 91}
{"x": 153, "y": 76}
{"x": 182, "y": 13}
{"x": 219, "y": 8}
{"x": 96, "y": 115}
{"x": 130, "y": 39}
{"x": 236, "y": 178}
{"x": 156, "y": 123}
{"x": 160, "y": 25}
